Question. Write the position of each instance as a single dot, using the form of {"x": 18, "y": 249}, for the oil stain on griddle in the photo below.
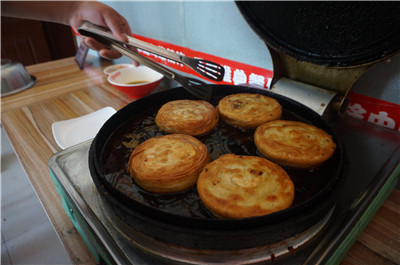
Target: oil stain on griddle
{"x": 221, "y": 140}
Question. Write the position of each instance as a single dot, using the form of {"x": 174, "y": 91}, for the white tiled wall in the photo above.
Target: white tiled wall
{"x": 27, "y": 236}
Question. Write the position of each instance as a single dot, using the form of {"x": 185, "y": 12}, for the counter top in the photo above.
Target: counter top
{"x": 64, "y": 92}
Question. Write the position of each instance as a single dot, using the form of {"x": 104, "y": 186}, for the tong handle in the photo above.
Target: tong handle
{"x": 194, "y": 86}
{"x": 205, "y": 68}
{"x": 154, "y": 49}
{"x": 117, "y": 46}
{"x": 90, "y": 27}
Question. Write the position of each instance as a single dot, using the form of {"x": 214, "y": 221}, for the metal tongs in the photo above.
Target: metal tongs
{"x": 194, "y": 86}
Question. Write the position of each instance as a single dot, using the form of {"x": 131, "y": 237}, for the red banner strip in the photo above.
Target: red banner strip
{"x": 235, "y": 73}
{"x": 374, "y": 110}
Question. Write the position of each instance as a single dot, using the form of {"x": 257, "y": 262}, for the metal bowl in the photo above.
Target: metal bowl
{"x": 14, "y": 77}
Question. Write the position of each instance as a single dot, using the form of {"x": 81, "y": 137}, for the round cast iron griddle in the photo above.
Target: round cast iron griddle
{"x": 180, "y": 218}
{"x": 336, "y": 34}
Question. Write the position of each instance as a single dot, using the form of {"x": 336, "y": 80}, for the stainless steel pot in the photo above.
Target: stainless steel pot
{"x": 14, "y": 77}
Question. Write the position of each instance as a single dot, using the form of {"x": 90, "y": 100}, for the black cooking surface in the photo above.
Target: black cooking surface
{"x": 330, "y": 33}
{"x": 223, "y": 139}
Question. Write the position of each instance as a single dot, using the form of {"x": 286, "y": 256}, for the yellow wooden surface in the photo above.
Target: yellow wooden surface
{"x": 63, "y": 92}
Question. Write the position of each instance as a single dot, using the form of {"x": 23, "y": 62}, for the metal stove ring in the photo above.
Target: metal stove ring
{"x": 171, "y": 252}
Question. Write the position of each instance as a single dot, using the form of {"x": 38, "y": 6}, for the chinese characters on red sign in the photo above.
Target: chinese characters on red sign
{"x": 374, "y": 110}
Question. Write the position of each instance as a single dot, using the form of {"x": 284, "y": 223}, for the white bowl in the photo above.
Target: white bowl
{"x": 112, "y": 68}
{"x": 135, "y": 81}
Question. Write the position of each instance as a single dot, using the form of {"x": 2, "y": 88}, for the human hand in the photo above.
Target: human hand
{"x": 73, "y": 13}
{"x": 102, "y": 15}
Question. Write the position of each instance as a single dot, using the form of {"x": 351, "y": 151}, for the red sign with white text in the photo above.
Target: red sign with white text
{"x": 374, "y": 110}
{"x": 235, "y": 73}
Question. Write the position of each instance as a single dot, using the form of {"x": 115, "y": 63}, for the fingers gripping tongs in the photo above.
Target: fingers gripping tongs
{"x": 195, "y": 87}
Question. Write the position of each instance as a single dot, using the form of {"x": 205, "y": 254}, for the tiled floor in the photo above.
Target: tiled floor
{"x": 27, "y": 236}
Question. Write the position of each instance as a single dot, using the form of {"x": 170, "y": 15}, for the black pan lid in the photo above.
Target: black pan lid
{"x": 336, "y": 34}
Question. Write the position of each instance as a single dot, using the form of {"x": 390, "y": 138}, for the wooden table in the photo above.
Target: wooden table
{"x": 63, "y": 92}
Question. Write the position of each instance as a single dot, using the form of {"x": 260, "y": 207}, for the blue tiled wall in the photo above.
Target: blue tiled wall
{"x": 213, "y": 27}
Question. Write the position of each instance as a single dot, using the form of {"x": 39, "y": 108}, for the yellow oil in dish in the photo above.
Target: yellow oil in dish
{"x": 136, "y": 82}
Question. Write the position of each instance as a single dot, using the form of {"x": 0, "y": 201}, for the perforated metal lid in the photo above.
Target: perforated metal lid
{"x": 336, "y": 34}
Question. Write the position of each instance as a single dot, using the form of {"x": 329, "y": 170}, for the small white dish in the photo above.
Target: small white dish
{"x": 74, "y": 131}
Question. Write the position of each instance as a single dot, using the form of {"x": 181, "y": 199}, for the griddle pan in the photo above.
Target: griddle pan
{"x": 180, "y": 218}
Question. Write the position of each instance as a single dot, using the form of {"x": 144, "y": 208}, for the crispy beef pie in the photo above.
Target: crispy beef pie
{"x": 234, "y": 186}
{"x": 248, "y": 110}
{"x": 294, "y": 144}
{"x": 168, "y": 163}
{"x": 192, "y": 117}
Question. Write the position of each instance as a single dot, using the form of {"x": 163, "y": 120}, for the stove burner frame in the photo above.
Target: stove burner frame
{"x": 197, "y": 256}
{"x": 367, "y": 187}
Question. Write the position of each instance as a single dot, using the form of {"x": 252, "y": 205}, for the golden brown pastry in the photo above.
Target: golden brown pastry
{"x": 168, "y": 163}
{"x": 193, "y": 117}
{"x": 294, "y": 144}
{"x": 234, "y": 186}
{"x": 248, "y": 110}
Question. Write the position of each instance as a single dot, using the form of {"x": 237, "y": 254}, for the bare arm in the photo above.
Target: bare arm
{"x": 46, "y": 11}
{"x": 72, "y": 13}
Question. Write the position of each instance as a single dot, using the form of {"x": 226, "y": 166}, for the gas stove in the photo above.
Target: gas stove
{"x": 373, "y": 172}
